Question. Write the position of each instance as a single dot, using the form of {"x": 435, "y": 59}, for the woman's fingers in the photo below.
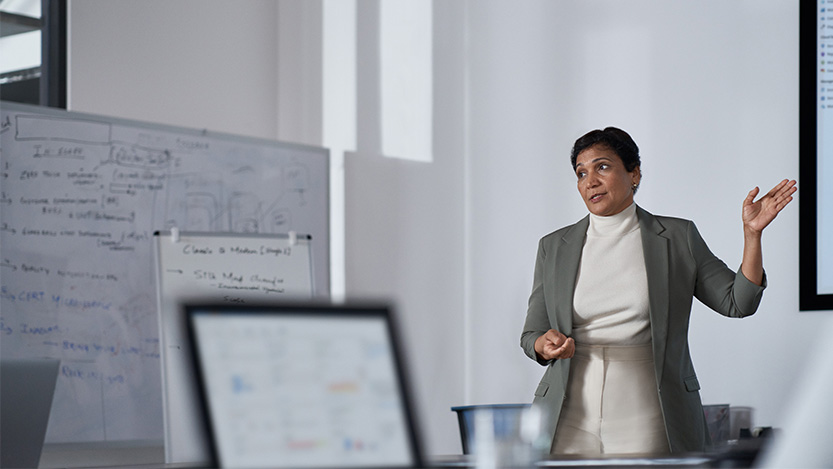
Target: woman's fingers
{"x": 567, "y": 349}
{"x": 784, "y": 188}
{"x": 750, "y": 197}
{"x": 784, "y": 194}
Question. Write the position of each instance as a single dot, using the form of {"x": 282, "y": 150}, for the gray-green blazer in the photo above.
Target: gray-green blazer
{"x": 680, "y": 267}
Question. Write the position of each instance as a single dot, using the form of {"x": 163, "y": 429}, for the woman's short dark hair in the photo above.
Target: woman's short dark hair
{"x": 616, "y": 139}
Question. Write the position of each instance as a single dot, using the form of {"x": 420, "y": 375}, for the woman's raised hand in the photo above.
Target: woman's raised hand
{"x": 758, "y": 214}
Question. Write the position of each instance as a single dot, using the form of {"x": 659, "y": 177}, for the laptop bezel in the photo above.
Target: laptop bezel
{"x": 191, "y": 310}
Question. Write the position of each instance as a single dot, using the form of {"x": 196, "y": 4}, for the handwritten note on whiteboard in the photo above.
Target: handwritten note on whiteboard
{"x": 215, "y": 267}
{"x": 232, "y": 267}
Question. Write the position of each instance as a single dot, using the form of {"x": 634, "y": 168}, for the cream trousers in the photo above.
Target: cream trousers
{"x": 611, "y": 405}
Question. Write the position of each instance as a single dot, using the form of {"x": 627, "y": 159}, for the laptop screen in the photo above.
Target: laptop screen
{"x": 302, "y": 386}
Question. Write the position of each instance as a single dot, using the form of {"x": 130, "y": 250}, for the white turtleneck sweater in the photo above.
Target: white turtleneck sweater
{"x": 610, "y": 302}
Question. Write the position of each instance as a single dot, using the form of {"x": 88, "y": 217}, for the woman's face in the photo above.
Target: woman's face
{"x": 603, "y": 182}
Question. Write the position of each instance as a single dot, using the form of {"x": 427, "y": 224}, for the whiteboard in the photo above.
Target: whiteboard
{"x": 80, "y": 198}
{"x": 214, "y": 268}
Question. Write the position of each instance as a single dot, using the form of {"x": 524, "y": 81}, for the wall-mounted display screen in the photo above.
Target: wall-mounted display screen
{"x": 816, "y": 150}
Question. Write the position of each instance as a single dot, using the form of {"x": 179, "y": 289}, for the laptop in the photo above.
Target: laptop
{"x": 303, "y": 386}
{"x": 27, "y": 387}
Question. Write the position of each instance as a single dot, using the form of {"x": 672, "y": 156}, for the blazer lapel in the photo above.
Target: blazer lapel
{"x": 655, "y": 251}
{"x": 567, "y": 260}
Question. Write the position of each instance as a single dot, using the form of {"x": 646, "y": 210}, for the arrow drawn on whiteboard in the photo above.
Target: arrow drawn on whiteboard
{"x": 175, "y": 271}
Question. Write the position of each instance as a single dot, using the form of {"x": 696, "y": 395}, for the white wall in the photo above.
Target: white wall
{"x": 405, "y": 224}
{"x": 191, "y": 63}
{"x": 708, "y": 88}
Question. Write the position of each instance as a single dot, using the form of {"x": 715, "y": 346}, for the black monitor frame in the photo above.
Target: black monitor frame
{"x": 809, "y": 297}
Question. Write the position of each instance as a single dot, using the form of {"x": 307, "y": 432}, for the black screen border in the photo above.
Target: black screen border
{"x": 809, "y": 297}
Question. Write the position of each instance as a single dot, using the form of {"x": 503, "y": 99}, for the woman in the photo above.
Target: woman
{"x": 609, "y": 310}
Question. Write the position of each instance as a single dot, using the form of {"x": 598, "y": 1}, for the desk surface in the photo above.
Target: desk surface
{"x": 740, "y": 454}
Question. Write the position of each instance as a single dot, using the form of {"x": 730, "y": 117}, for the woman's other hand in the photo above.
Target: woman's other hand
{"x": 758, "y": 214}
{"x": 554, "y": 345}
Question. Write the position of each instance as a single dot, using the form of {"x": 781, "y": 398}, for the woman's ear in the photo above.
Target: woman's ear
{"x": 636, "y": 176}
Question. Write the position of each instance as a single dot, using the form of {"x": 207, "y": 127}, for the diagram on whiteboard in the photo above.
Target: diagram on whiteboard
{"x": 202, "y": 202}
{"x": 81, "y": 197}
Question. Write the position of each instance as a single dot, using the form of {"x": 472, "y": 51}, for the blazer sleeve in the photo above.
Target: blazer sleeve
{"x": 537, "y": 321}
{"x": 728, "y": 292}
